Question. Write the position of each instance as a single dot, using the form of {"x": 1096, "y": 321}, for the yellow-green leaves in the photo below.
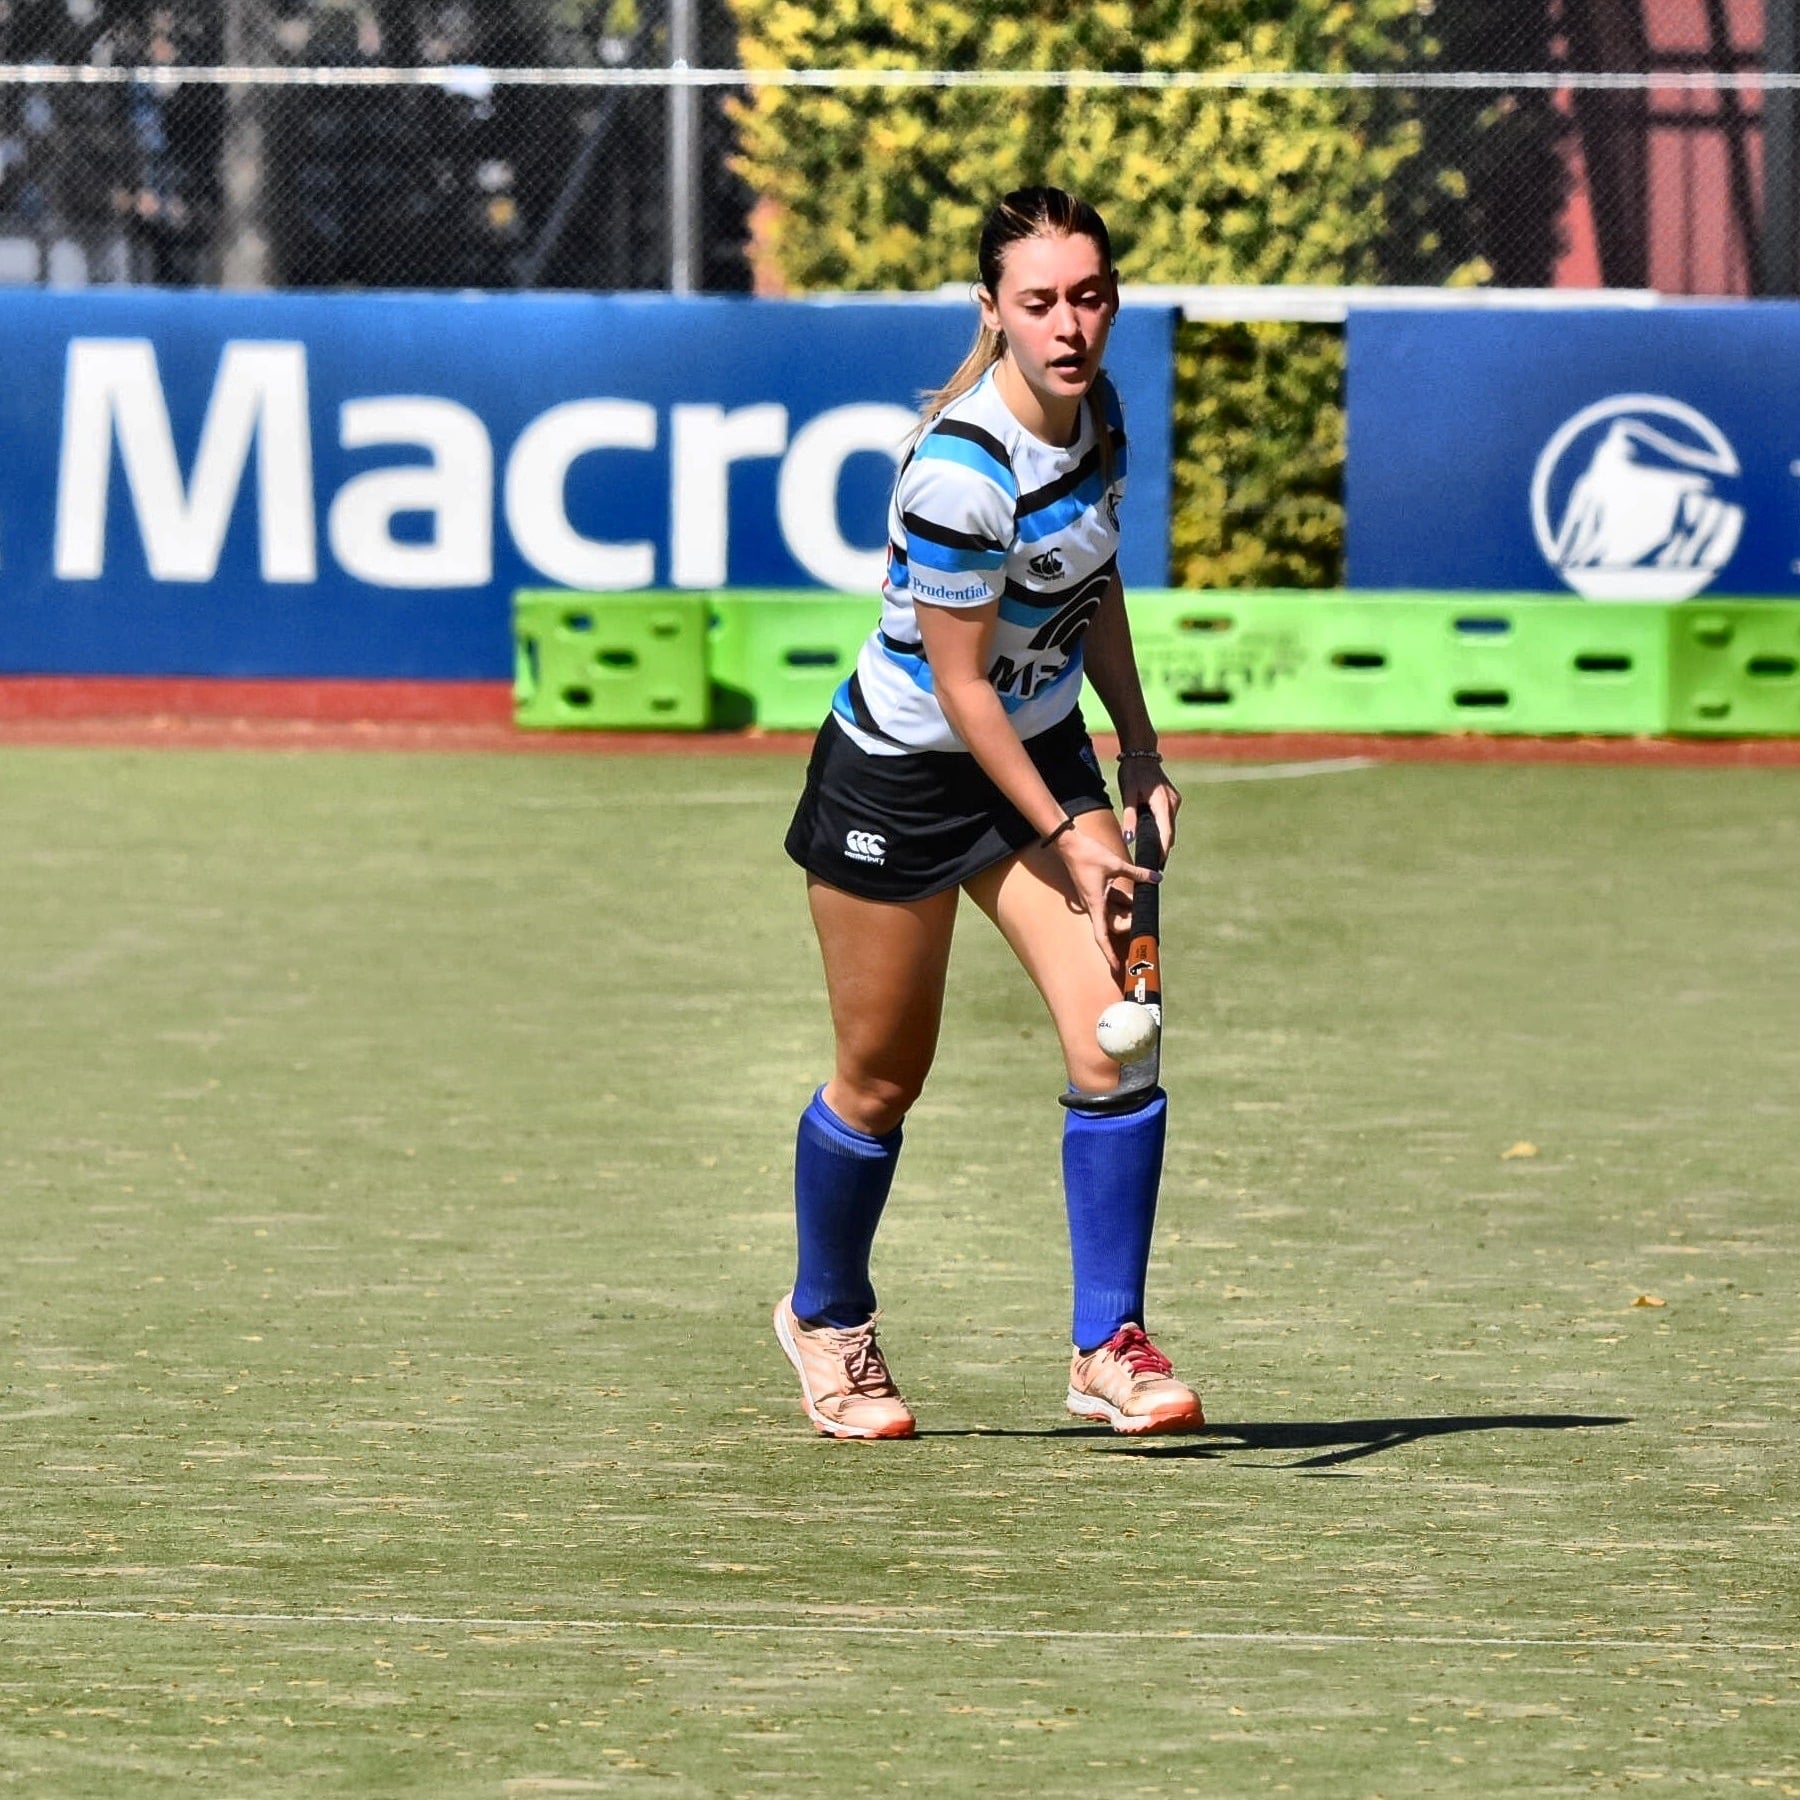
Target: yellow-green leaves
{"x": 870, "y": 188}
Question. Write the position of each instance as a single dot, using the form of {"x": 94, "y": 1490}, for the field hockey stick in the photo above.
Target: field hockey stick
{"x": 1140, "y": 984}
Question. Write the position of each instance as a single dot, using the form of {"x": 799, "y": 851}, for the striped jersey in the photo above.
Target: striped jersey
{"x": 984, "y": 511}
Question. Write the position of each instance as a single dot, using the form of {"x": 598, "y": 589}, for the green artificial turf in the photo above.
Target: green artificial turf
{"x": 393, "y": 1163}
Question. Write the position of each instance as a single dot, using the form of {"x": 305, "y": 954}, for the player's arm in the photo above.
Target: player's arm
{"x": 958, "y": 645}
{"x": 1111, "y": 668}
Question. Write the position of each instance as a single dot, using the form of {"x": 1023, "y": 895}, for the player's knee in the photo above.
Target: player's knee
{"x": 873, "y": 1103}
{"x": 1092, "y": 1074}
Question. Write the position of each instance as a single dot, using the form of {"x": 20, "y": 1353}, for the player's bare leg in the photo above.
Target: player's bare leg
{"x": 885, "y": 964}
{"x": 1031, "y": 901}
{"x": 1111, "y": 1161}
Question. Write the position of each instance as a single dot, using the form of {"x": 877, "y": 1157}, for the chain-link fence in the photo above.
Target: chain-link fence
{"x": 734, "y": 144}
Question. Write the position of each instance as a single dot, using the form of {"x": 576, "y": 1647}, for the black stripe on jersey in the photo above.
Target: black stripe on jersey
{"x": 859, "y": 710}
{"x": 897, "y": 552}
{"x": 1039, "y": 498}
{"x": 899, "y": 647}
{"x": 1049, "y": 599}
{"x": 973, "y": 434}
{"x": 942, "y": 534}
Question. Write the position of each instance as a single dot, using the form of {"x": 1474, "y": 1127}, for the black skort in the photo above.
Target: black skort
{"x": 904, "y": 827}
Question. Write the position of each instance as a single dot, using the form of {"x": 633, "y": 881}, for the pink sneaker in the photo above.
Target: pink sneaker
{"x": 844, "y": 1381}
{"x": 1130, "y": 1384}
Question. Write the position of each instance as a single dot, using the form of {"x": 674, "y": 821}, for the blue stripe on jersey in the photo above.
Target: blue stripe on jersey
{"x": 940, "y": 446}
{"x": 916, "y": 667}
{"x": 1063, "y": 513}
{"x": 1017, "y": 611}
{"x": 950, "y": 559}
{"x": 840, "y": 702}
{"x": 896, "y": 567}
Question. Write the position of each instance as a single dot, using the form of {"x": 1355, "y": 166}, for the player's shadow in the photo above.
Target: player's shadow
{"x": 1340, "y": 1441}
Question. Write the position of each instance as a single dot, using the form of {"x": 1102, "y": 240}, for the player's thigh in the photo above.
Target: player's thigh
{"x": 885, "y": 966}
{"x": 1030, "y": 899}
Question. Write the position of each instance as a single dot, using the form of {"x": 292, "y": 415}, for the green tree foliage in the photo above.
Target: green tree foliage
{"x": 873, "y": 188}
{"x": 1259, "y": 456}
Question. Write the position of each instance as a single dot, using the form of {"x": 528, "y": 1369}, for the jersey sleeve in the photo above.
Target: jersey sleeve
{"x": 955, "y": 502}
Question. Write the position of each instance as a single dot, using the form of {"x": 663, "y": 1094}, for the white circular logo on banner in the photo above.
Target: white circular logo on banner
{"x": 1625, "y": 500}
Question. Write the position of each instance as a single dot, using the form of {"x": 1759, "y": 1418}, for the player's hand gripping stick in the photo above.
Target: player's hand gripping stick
{"x": 1130, "y": 1030}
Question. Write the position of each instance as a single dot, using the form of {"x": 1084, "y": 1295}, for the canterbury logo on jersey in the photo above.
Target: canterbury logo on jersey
{"x": 865, "y": 846}
{"x": 1057, "y": 636}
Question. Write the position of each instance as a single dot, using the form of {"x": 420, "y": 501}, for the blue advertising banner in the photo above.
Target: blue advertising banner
{"x": 1610, "y": 454}
{"x": 353, "y": 486}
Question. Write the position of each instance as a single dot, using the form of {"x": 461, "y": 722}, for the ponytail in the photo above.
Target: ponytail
{"x": 989, "y": 346}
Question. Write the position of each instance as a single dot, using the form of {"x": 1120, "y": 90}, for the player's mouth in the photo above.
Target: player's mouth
{"x": 1072, "y": 364}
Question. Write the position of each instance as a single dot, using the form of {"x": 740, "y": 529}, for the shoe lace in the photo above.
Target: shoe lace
{"x": 1134, "y": 1349}
{"x": 864, "y": 1366}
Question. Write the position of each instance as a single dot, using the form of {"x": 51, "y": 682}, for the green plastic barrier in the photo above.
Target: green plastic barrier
{"x": 610, "y": 662}
{"x": 1302, "y": 661}
{"x": 776, "y": 658}
{"x": 1734, "y": 668}
{"x": 1270, "y": 661}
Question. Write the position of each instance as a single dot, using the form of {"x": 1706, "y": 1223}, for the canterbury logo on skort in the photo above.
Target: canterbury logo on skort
{"x": 865, "y": 846}
{"x": 1626, "y": 500}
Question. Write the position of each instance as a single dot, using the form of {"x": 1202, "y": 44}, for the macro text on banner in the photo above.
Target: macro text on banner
{"x": 335, "y": 485}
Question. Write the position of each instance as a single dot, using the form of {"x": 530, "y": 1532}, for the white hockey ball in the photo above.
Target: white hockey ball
{"x": 1128, "y": 1031}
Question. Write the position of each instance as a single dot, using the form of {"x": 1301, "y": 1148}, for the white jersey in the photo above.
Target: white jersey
{"x": 983, "y": 511}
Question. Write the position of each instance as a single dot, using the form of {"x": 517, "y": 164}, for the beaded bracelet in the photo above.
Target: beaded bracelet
{"x": 1056, "y": 831}
{"x": 1154, "y": 756}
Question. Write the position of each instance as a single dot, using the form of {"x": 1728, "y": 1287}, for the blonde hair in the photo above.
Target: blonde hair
{"x": 988, "y": 348}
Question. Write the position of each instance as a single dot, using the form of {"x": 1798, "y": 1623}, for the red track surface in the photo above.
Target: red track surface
{"x": 476, "y": 716}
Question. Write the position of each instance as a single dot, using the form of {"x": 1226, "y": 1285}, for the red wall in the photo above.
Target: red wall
{"x": 1663, "y": 184}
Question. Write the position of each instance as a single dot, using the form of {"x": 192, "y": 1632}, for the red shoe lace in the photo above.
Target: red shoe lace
{"x": 1135, "y": 1350}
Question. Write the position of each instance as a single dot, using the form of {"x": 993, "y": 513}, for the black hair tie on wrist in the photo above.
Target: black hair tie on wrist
{"x": 1056, "y": 831}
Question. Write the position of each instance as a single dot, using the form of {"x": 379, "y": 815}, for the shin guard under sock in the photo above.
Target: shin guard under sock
{"x": 1112, "y": 1168}
{"x": 841, "y": 1182}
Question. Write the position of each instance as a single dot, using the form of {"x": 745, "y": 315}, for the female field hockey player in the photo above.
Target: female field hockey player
{"x": 955, "y": 761}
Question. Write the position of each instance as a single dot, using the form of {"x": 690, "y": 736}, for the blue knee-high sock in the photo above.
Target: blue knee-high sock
{"x": 841, "y": 1182}
{"x": 1112, "y": 1166}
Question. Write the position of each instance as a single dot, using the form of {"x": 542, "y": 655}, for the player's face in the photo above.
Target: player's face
{"x": 1055, "y": 305}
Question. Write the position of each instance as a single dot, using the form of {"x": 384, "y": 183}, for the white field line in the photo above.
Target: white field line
{"x": 643, "y": 802}
{"x": 1203, "y": 775}
{"x": 932, "y": 1633}
{"x": 1209, "y": 773}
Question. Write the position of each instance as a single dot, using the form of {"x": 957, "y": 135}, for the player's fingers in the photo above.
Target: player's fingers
{"x": 1101, "y": 901}
{"x": 1105, "y": 935}
{"x": 1164, "y": 804}
{"x": 1122, "y": 868}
